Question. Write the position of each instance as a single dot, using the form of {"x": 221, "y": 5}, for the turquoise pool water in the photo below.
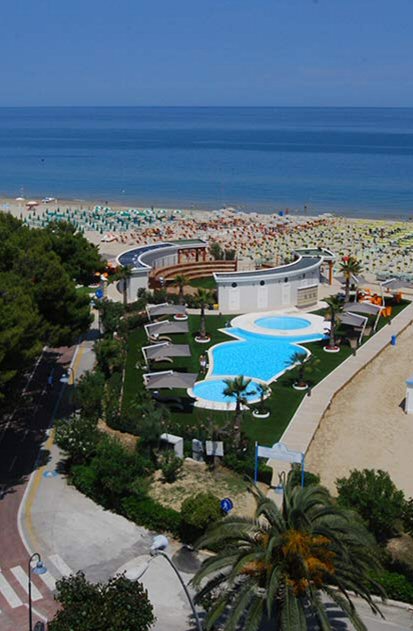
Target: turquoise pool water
{"x": 253, "y": 355}
{"x": 213, "y": 390}
{"x": 283, "y": 323}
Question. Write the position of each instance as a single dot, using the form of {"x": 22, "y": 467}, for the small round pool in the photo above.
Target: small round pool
{"x": 283, "y": 323}
{"x": 213, "y": 390}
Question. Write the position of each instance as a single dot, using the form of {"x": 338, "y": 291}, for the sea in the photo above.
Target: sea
{"x": 351, "y": 161}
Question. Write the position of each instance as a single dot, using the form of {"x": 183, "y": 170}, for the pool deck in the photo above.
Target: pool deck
{"x": 247, "y": 322}
{"x": 304, "y": 424}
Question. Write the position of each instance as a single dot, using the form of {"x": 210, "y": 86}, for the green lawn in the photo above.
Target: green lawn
{"x": 282, "y": 403}
{"x": 206, "y": 283}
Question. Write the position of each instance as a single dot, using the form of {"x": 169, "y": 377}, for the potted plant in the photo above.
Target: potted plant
{"x": 305, "y": 364}
{"x": 261, "y": 411}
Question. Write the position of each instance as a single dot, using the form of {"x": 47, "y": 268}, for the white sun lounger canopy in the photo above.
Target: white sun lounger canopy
{"x": 154, "y": 311}
{"x": 164, "y": 350}
{"x": 166, "y": 327}
{"x": 394, "y": 284}
{"x": 169, "y": 379}
{"x": 362, "y": 307}
{"x": 354, "y": 280}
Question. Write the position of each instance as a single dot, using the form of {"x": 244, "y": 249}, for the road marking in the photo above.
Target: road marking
{"x": 59, "y": 564}
{"x": 9, "y": 593}
{"x": 23, "y": 579}
{"x": 48, "y": 580}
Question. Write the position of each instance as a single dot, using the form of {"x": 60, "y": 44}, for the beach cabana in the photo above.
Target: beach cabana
{"x": 164, "y": 351}
{"x": 356, "y": 321}
{"x": 167, "y": 327}
{"x": 365, "y": 308}
{"x": 169, "y": 379}
{"x": 165, "y": 308}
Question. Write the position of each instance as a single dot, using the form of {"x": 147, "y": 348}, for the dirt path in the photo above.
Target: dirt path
{"x": 366, "y": 426}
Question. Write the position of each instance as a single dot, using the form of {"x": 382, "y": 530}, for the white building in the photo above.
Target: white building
{"x": 292, "y": 285}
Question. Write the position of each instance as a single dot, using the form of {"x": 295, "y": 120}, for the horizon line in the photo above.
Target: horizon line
{"x": 370, "y": 107}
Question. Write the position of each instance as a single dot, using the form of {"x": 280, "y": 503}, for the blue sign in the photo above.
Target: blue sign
{"x": 99, "y": 293}
{"x": 226, "y": 505}
{"x": 50, "y": 474}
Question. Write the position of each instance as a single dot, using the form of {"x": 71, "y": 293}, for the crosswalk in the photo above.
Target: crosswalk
{"x": 14, "y": 582}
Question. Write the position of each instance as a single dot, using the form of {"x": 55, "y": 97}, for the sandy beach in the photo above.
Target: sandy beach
{"x": 366, "y": 426}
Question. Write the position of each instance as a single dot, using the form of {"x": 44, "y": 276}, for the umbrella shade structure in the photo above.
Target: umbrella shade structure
{"x": 154, "y": 311}
{"x": 169, "y": 379}
{"x": 354, "y": 280}
{"x": 365, "y": 308}
{"x": 32, "y": 203}
{"x": 158, "y": 352}
{"x": 165, "y": 328}
{"x": 358, "y": 322}
{"x": 394, "y": 284}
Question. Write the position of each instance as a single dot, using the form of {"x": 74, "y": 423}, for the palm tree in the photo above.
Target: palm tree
{"x": 203, "y": 297}
{"x": 277, "y": 565}
{"x": 335, "y": 306}
{"x": 305, "y": 364}
{"x": 123, "y": 275}
{"x": 263, "y": 390}
{"x": 349, "y": 267}
{"x": 180, "y": 281}
{"x": 237, "y": 389}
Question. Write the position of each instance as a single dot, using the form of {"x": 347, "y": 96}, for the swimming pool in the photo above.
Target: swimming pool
{"x": 257, "y": 356}
{"x": 283, "y": 323}
{"x": 213, "y": 390}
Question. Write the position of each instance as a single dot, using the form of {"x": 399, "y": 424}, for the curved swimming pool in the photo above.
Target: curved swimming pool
{"x": 213, "y": 390}
{"x": 282, "y": 323}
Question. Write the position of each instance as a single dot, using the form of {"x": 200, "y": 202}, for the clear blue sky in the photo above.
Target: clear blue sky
{"x": 210, "y": 52}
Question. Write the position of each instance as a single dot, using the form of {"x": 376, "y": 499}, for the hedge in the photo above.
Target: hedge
{"x": 396, "y": 586}
{"x": 246, "y": 467}
{"x": 151, "y": 514}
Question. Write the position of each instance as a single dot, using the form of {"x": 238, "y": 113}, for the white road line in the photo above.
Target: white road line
{"x": 23, "y": 579}
{"x": 48, "y": 580}
{"x": 9, "y": 593}
{"x": 59, "y": 564}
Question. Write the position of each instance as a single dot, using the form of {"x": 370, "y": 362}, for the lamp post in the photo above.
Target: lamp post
{"x": 39, "y": 568}
{"x": 158, "y": 547}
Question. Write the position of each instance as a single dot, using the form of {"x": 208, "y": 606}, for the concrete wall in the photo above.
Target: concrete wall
{"x": 265, "y": 294}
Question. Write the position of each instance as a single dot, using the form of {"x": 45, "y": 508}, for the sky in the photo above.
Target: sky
{"x": 211, "y": 52}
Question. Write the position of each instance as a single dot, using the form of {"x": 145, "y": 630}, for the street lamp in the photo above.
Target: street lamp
{"x": 159, "y": 545}
{"x": 39, "y": 568}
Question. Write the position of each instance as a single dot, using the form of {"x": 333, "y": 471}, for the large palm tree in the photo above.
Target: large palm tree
{"x": 203, "y": 297}
{"x": 279, "y": 564}
{"x": 349, "y": 267}
{"x": 335, "y": 306}
{"x": 237, "y": 389}
{"x": 180, "y": 281}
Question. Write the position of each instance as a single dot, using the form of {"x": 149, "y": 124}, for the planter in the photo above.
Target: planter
{"x": 331, "y": 349}
{"x": 296, "y": 386}
{"x": 202, "y": 340}
{"x": 257, "y": 414}
{"x": 180, "y": 317}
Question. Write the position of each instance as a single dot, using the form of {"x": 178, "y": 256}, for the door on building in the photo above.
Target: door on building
{"x": 262, "y": 297}
{"x": 286, "y": 294}
{"x": 234, "y": 298}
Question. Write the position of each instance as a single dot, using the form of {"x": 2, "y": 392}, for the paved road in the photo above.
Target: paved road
{"x": 21, "y": 440}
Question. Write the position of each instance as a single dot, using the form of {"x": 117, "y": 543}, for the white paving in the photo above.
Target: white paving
{"x": 8, "y": 592}
{"x": 23, "y": 579}
{"x": 60, "y": 565}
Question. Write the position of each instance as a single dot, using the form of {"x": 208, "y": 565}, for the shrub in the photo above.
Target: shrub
{"x": 84, "y": 478}
{"x": 245, "y": 466}
{"x": 396, "y": 586}
{"x": 171, "y": 466}
{"x": 78, "y": 438}
{"x": 151, "y": 514}
{"x": 112, "y": 400}
{"x": 117, "y": 605}
{"x": 89, "y": 394}
{"x": 109, "y": 356}
{"x": 197, "y": 512}
{"x": 374, "y": 496}
{"x": 309, "y": 478}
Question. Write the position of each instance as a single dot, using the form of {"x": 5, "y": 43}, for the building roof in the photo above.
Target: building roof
{"x": 144, "y": 256}
{"x": 302, "y": 264}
